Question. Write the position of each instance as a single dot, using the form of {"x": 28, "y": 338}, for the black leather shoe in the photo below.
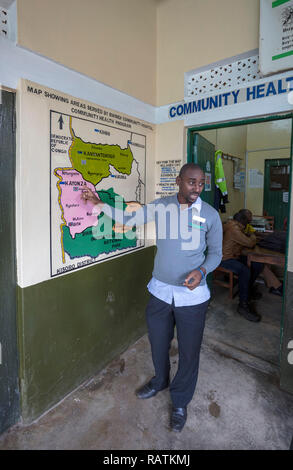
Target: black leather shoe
{"x": 178, "y": 418}
{"x": 245, "y": 311}
{"x": 147, "y": 391}
{"x": 278, "y": 291}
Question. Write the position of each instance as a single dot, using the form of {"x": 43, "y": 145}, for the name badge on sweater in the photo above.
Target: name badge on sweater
{"x": 197, "y": 220}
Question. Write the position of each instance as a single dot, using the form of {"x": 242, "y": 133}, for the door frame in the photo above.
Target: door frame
{"x": 9, "y": 364}
{"x": 220, "y": 125}
{"x": 204, "y": 141}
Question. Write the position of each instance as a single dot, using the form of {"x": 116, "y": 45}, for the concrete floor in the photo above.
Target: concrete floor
{"x": 237, "y": 404}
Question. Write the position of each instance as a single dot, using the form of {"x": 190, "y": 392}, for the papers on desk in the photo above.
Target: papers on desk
{"x": 259, "y": 224}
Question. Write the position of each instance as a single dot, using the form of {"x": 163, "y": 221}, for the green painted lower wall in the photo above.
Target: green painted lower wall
{"x": 70, "y": 327}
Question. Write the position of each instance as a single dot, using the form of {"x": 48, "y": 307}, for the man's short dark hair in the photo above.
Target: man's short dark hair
{"x": 245, "y": 211}
{"x": 189, "y": 166}
{"x": 241, "y": 217}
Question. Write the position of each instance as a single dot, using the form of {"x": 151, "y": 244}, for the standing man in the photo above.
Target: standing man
{"x": 189, "y": 246}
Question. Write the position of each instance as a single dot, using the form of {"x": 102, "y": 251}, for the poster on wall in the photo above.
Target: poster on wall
{"x": 239, "y": 180}
{"x": 166, "y": 173}
{"x": 276, "y": 36}
{"x": 256, "y": 178}
{"x": 208, "y": 182}
{"x": 67, "y": 145}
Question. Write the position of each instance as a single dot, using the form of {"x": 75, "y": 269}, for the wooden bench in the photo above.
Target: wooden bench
{"x": 229, "y": 285}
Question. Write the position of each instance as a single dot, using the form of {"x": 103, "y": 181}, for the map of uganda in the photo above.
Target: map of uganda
{"x": 111, "y": 162}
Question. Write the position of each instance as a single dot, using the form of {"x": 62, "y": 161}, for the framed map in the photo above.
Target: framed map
{"x": 111, "y": 162}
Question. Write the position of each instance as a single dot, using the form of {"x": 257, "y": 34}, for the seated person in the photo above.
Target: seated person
{"x": 234, "y": 240}
{"x": 272, "y": 282}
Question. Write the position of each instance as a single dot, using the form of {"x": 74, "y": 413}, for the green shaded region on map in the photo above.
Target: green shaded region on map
{"x": 95, "y": 241}
{"x": 112, "y": 199}
{"x": 93, "y": 160}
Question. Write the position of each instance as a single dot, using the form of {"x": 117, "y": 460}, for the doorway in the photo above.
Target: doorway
{"x": 257, "y": 157}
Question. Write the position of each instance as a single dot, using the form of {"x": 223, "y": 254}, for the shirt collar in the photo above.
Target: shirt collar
{"x": 196, "y": 203}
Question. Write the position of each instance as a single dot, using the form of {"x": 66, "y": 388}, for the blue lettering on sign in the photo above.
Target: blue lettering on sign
{"x": 196, "y": 106}
{"x": 205, "y": 106}
{"x": 187, "y": 108}
{"x": 280, "y": 89}
{"x": 290, "y": 79}
{"x": 235, "y": 95}
{"x": 225, "y": 95}
{"x": 251, "y": 93}
{"x": 260, "y": 91}
{"x": 213, "y": 102}
{"x": 171, "y": 111}
{"x": 271, "y": 89}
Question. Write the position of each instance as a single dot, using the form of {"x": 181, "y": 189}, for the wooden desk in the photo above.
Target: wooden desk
{"x": 261, "y": 235}
{"x": 262, "y": 255}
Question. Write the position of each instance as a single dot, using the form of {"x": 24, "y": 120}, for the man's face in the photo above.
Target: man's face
{"x": 190, "y": 185}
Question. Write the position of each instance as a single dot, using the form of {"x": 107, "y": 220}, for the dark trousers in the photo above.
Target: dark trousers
{"x": 246, "y": 276}
{"x": 161, "y": 319}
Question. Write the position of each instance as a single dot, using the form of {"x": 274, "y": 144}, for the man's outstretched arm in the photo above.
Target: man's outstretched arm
{"x": 134, "y": 214}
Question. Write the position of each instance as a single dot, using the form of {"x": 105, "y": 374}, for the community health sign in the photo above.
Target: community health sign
{"x": 251, "y": 93}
